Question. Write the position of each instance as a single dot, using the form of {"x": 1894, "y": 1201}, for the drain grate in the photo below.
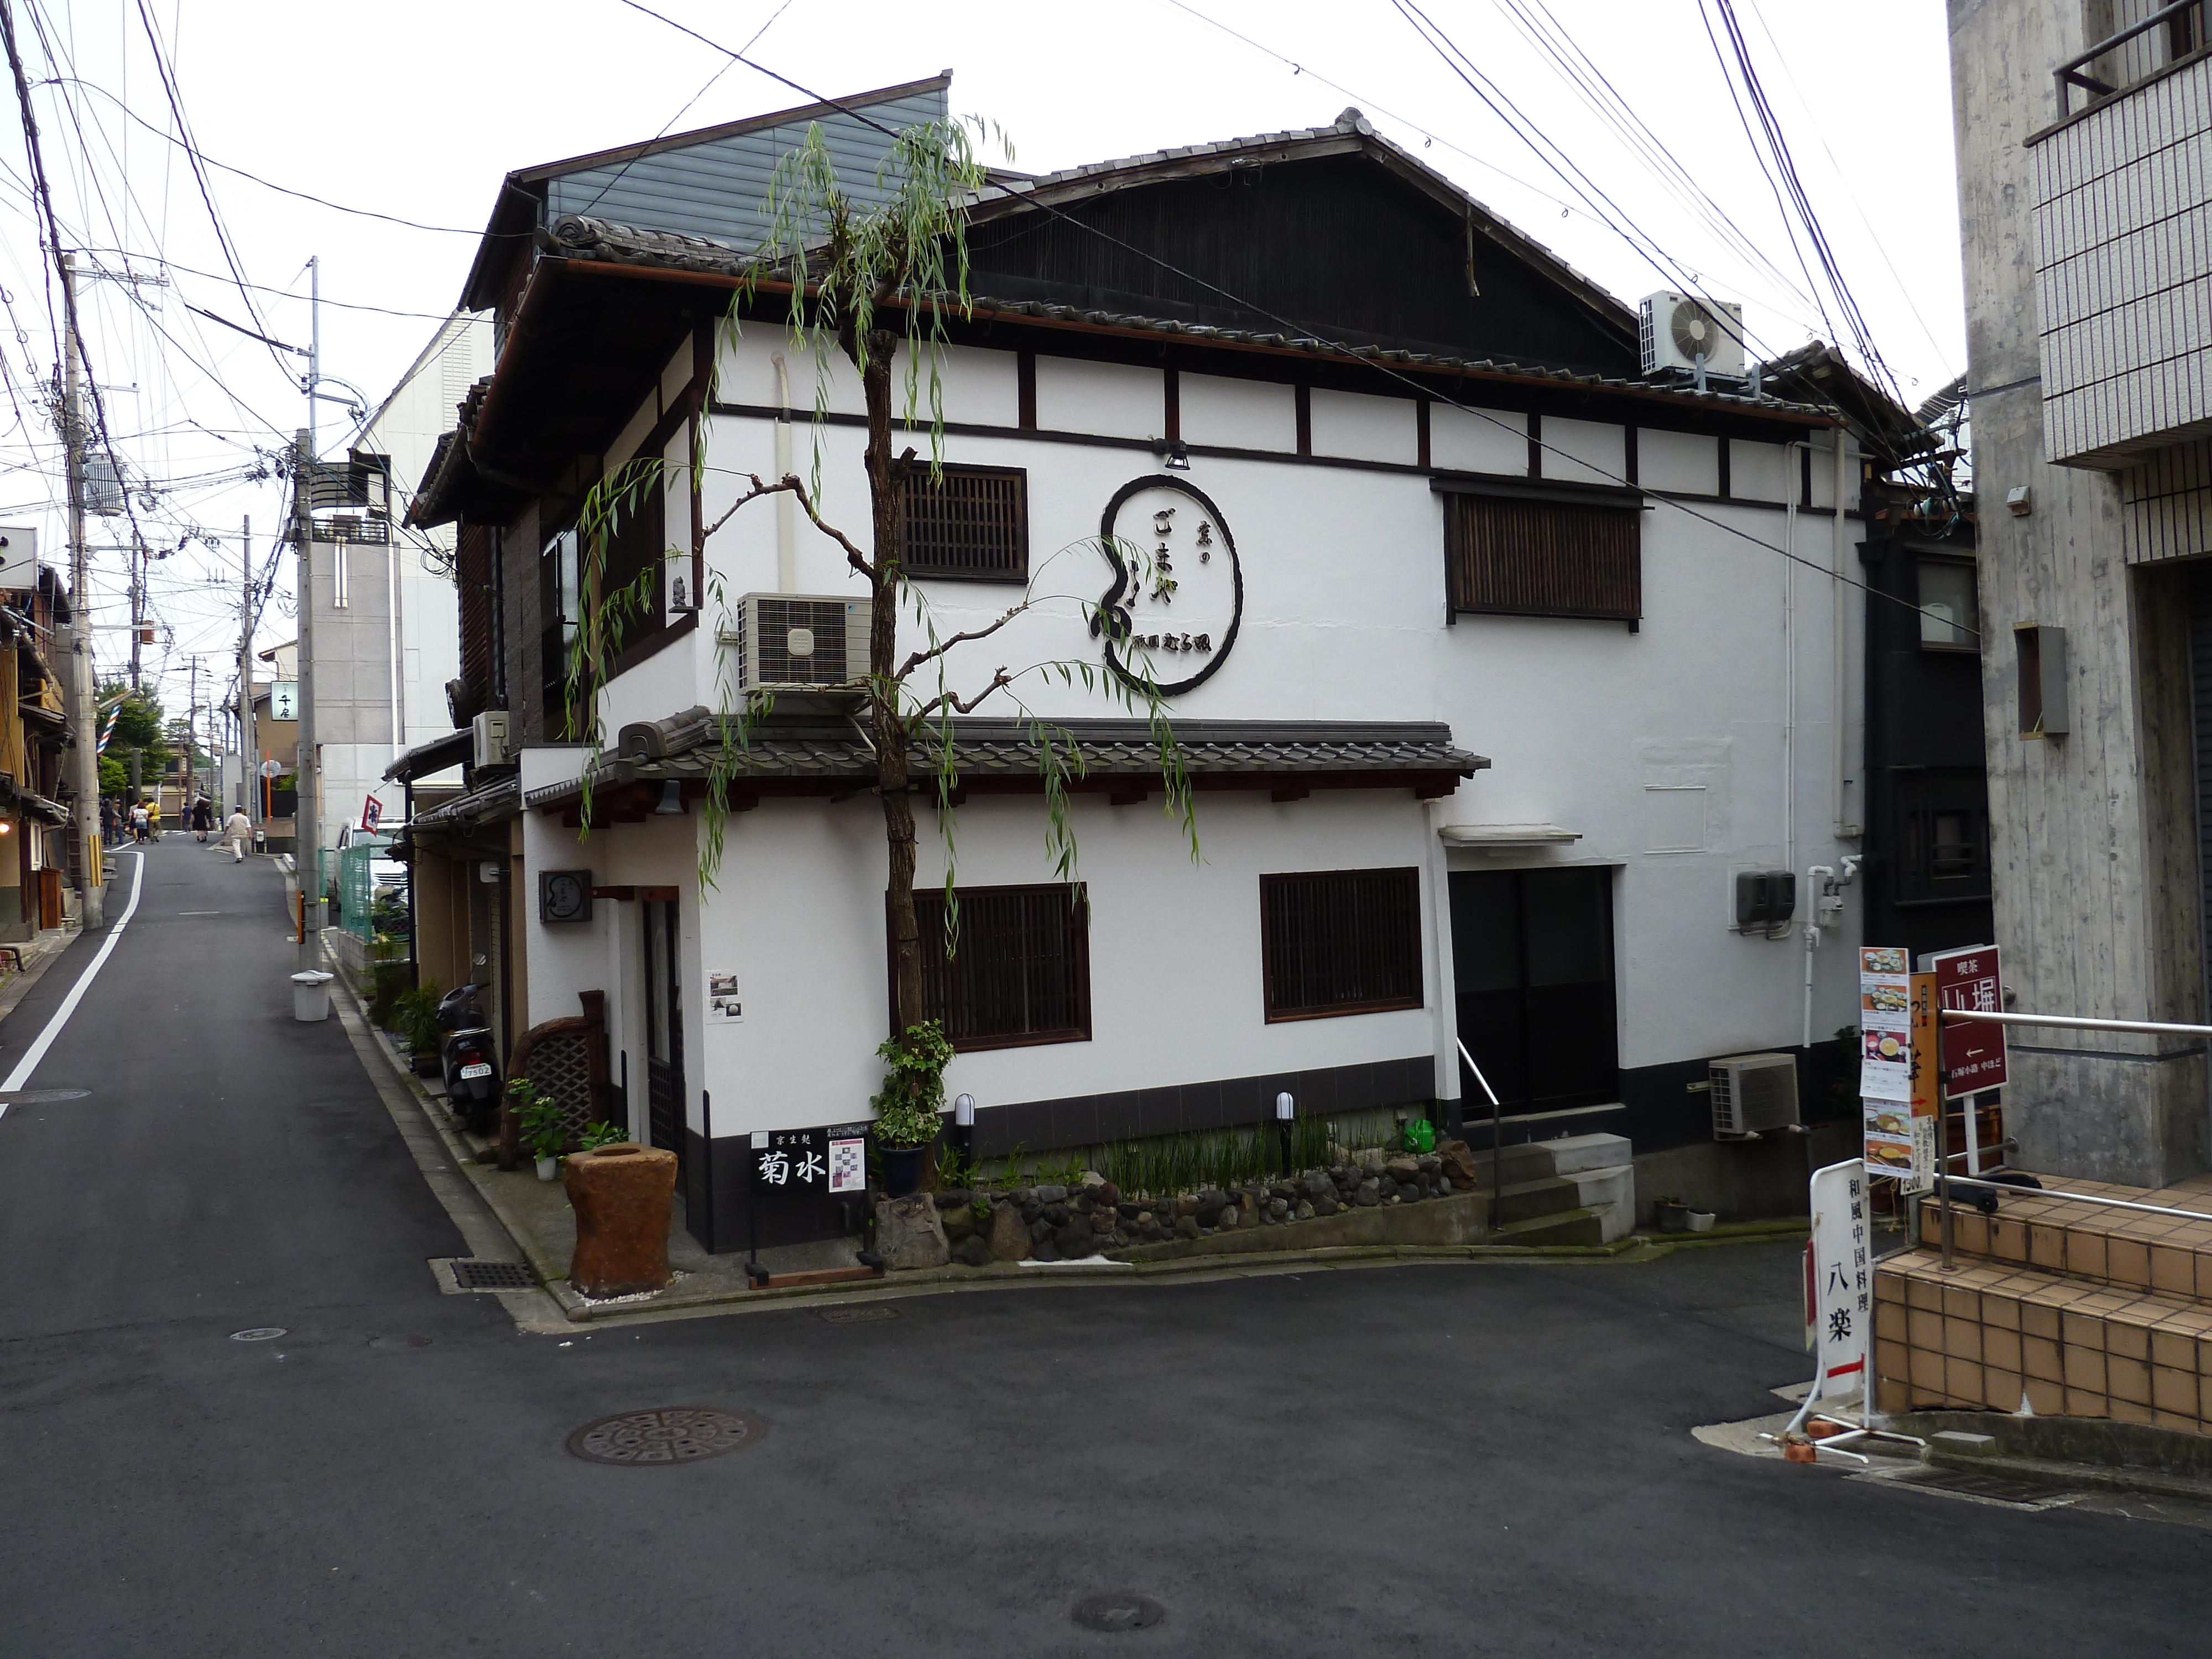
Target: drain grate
{"x": 1117, "y": 1612}
{"x": 666, "y": 1438}
{"x": 858, "y": 1316}
{"x": 1967, "y": 1484}
{"x": 471, "y": 1275}
{"x": 34, "y": 1097}
{"x": 398, "y": 1341}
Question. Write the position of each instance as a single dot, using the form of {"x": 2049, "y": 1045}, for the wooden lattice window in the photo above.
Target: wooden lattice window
{"x": 971, "y": 522}
{"x": 1340, "y": 942}
{"x": 1020, "y": 972}
{"x": 1544, "y": 558}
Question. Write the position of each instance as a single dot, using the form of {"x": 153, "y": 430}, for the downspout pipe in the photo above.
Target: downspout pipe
{"x": 1842, "y": 827}
{"x": 786, "y": 510}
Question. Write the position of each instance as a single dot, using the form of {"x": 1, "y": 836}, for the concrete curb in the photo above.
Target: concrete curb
{"x": 35, "y": 969}
{"x": 1000, "y": 1276}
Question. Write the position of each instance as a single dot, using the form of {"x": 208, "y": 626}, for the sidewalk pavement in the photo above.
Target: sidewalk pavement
{"x": 536, "y": 1216}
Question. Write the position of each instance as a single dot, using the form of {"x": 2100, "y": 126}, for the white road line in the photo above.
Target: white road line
{"x": 30, "y": 1063}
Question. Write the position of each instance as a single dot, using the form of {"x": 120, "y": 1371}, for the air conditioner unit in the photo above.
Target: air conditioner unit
{"x": 787, "y": 642}
{"x": 1677, "y": 329}
{"x": 489, "y": 732}
{"x": 1753, "y": 1093}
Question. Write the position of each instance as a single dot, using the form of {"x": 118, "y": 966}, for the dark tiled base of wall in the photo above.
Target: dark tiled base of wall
{"x": 1179, "y": 1109}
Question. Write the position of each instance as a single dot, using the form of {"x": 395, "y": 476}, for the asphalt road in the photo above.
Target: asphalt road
{"x": 1445, "y": 1461}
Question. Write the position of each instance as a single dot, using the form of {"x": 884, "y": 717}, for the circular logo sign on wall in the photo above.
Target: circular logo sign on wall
{"x": 1178, "y": 593}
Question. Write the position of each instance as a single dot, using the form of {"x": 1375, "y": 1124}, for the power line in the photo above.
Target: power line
{"x": 1253, "y": 307}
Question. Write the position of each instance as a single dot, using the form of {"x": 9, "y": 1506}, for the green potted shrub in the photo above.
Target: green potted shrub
{"x": 418, "y": 1024}
{"x": 538, "y": 1117}
{"x": 907, "y": 1111}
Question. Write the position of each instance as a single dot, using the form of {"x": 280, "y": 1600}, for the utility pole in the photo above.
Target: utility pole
{"x": 307, "y": 815}
{"x": 86, "y": 854}
{"x": 248, "y": 754}
{"x": 192, "y": 735}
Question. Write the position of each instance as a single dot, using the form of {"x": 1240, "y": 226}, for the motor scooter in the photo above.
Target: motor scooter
{"x": 469, "y": 1058}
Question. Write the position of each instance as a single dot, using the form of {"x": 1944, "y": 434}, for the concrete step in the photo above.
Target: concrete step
{"x": 2124, "y": 1250}
{"x": 1571, "y": 1154}
{"x": 1576, "y": 1226}
{"x": 1521, "y": 1128}
{"x": 1524, "y": 1201}
{"x": 1610, "y": 1191}
{"x": 1990, "y": 1334}
{"x": 1515, "y": 1163}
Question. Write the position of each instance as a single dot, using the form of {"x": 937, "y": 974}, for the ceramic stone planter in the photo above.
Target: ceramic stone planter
{"x": 902, "y": 1169}
{"x": 623, "y": 1195}
{"x": 548, "y": 1169}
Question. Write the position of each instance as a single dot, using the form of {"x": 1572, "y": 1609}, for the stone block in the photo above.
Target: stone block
{"x": 622, "y": 1196}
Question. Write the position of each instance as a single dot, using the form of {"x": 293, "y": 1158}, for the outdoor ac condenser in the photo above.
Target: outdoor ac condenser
{"x": 1753, "y": 1093}
{"x": 487, "y": 734}
{"x": 1676, "y": 329}
{"x": 784, "y": 641}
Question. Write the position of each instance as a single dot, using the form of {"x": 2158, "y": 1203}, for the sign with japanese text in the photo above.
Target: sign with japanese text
{"x": 797, "y": 1182}
{"x": 1885, "y": 1059}
{"x": 1973, "y": 1054}
{"x": 372, "y": 814}
{"x": 284, "y": 700}
{"x": 1840, "y": 1280}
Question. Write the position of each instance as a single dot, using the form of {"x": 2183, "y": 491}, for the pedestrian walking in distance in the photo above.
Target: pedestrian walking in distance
{"x": 203, "y": 818}
{"x": 238, "y": 832}
{"x": 138, "y": 822}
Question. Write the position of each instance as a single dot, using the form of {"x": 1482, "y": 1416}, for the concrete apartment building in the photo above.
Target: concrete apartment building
{"x": 2082, "y": 129}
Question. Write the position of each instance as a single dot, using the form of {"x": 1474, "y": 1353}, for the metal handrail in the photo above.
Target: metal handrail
{"x": 1497, "y": 1148}
{"x": 2069, "y": 72}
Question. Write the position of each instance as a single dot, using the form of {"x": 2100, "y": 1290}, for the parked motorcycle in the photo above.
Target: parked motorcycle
{"x": 469, "y": 1058}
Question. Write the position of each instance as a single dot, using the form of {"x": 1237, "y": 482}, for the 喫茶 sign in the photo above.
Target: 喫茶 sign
{"x": 1973, "y": 1053}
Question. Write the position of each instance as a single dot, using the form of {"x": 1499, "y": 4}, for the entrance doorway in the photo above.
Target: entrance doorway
{"x": 1532, "y": 960}
{"x": 664, "y": 1029}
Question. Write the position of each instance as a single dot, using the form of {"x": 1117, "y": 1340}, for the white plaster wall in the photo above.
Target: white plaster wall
{"x": 1233, "y": 414}
{"x": 1364, "y": 428}
{"x": 1686, "y": 461}
{"x": 1587, "y": 723}
{"x": 1761, "y": 472}
{"x": 1114, "y": 400}
{"x": 1583, "y": 451}
{"x": 1476, "y": 439}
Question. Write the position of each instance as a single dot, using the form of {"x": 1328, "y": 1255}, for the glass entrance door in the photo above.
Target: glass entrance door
{"x": 1532, "y": 959}
{"x": 664, "y": 1029}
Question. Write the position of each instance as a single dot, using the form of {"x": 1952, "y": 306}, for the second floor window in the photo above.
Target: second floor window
{"x": 1950, "y": 611}
{"x": 971, "y": 522}
{"x": 1528, "y": 557}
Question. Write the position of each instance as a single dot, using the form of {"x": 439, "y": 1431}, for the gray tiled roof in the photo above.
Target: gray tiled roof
{"x": 985, "y": 749}
{"x": 500, "y": 798}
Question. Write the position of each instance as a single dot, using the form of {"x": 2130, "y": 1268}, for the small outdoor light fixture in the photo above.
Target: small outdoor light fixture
{"x": 963, "y": 1127}
{"x": 2020, "y": 501}
{"x": 1177, "y": 459}
{"x": 672, "y": 800}
{"x": 1286, "y": 1108}
{"x": 488, "y": 871}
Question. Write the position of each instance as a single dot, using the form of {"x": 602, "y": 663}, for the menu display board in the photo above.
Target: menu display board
{"x": 1898, "y": 1092}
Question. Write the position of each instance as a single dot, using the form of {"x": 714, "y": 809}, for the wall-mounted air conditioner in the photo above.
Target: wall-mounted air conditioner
{"x": 1676, "y": 330}
{"x": 1753, "y": 1093}
{"x": 488, "y": 729}
{"x": 787, "y": 642}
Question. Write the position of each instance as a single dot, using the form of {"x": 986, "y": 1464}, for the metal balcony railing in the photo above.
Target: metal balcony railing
{"x": 2073, "y": 72}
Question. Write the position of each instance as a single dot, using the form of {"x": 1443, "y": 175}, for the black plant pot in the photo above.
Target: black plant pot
{"x": 902, "y": 1169}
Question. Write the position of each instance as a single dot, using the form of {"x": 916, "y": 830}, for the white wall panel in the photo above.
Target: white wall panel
{"x": 1685, "y": 461}
{"x": 1360, "y": 427}
{"x": 1238, "y": 414}
{"x": 1111, "y": 399}
{"x": 1474, "y": 440}
{"x": 1583, "y": 451}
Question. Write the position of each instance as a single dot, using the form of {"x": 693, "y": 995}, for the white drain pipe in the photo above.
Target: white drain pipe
{"x": 787, "y": 522}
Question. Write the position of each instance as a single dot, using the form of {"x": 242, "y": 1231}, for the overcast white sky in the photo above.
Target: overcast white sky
{"x": 415, "y": 110}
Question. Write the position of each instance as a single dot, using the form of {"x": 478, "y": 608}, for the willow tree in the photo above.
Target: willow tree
{"x": 868, "y": 283}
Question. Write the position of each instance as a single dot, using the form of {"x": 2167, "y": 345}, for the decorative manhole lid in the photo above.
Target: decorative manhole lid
{"x": 35, "y": 1097}
{"x": 858, "y": 1316}
{"x": 259, "y": 1334}
{"x": 672, "y": 1435}
{"x": 1117, "y": 1612}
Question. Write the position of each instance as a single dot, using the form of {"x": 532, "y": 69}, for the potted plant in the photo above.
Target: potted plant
{"x": 1671, "y": 1215}
{"x": 418, "y": 1024}
{"x": 907, "y": 1120}
{"x": 538, "y": 1117}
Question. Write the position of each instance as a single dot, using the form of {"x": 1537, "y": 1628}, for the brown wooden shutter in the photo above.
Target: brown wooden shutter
{"x": 1340, "y": 942}
{"x": 972, "y": 522}
{"x": 1539, "y": 558}
{"x": 1020, "y": 972}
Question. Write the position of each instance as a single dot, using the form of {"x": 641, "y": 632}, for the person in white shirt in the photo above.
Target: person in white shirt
{"x": 236, "y": 833}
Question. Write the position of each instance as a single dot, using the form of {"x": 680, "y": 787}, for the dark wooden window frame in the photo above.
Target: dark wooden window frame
{"x": 1018, "y": 571}
{"x": 1604, "y": 580}
{"x": 1921, "y": 560}
{"x": 976, "y": 942}
{"x": 1276, "y": 995}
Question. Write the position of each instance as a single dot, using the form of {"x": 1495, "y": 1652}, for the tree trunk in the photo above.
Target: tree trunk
{"x": 885, "y": 728}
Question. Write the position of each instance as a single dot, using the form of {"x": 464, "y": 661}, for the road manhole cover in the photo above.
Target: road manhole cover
{"x": 398, "y": 1341}
{"x": 1967, "y": 1484}
{"x": 259, "y": 1334}
{"x": 1118, "y": 1612}
{"x": 674, "y": 1434}
{"x": 34, "y": 1097}
{"x": 856, "y": 1315}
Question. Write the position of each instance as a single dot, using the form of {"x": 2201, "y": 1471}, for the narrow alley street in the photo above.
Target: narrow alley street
{"x": 1446, "y": 1460}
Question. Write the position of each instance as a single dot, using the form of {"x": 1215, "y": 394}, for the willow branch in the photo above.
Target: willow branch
{"x": 943, "y": 646}
{"x": 790, "y": 484}
{"x": 958, "y": 705}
